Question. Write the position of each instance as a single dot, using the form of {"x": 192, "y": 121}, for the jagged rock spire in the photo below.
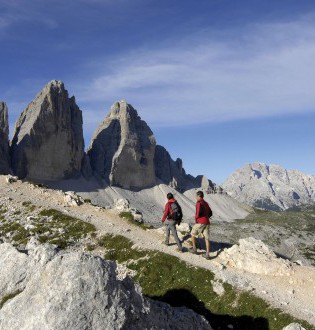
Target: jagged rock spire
{"x": 48, "y": 139}
{"x": 122, "y": 149}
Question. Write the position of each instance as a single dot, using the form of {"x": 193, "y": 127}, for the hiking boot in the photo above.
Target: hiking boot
{"x": 206, "y": 256}
{"x": 180, "y": 250}
{"x": 192, "y": 251}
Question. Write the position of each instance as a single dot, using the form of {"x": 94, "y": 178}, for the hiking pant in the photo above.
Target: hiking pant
{"x": 170, "y": 226}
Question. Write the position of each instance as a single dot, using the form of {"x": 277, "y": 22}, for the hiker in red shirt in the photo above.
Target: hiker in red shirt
{"x": 171, "y": 208}
{"x": 202, "y": 224}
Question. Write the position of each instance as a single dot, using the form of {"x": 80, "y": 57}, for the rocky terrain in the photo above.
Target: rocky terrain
{"x": 271, "y": 187}
{"x": 290, "y": 234}
{"x": 122, "y": 161}
{"x": 31, "y": 212}
{"x": 100, "y": 219}
{"x": 151, "y": 201}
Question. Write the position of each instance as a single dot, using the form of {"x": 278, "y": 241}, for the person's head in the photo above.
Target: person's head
{"x": 170, "y": 196}
{"x": 199, "y": 194}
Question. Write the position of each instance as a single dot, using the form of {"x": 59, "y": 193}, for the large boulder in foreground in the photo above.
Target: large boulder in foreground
{"x": 4, "y": 140}
{"x": 51, "y": 290}
{"x": 122, "y": 149}
{"x": 48, "y": 139}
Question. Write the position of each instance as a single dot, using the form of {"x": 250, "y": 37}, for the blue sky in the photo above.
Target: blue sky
{"x": 220, "y": 82}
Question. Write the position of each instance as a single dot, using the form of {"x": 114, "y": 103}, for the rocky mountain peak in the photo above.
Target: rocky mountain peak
{"x": 271, "y": 186}
{"x": 4, "y": 139}
{"x": 122, "y": 149}
{"x": 48, "y": 139}
{"x": 122, "y": 108}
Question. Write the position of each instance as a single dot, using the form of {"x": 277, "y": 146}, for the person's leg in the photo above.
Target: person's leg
{"x": 207, "y": 247}
{"x": 193, "y": 241}
{"x": 172, "y": 226}
{"x": 194, "y": 232}
{"x": 206, "y": 234}
{"x": 167, "y": 233}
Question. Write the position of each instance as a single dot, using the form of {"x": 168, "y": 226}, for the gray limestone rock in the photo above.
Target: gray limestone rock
{"x": 271, "y": 187}
{"x": 78, "y": 291}
{"x": 48, "y": 139}
{"x": 122, "y": 149}
{"x": 294, "y": 326}
{"x": 4, "y": 140}
{"x": 205, "y": 184}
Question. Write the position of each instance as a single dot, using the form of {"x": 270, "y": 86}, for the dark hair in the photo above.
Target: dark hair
{"x": 200, "y": 194}
{"x": 169, "y": 196}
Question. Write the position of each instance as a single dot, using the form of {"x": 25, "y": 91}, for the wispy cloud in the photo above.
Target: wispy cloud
{"x": 15, "y": 12}
{"x": 265, "y": 70}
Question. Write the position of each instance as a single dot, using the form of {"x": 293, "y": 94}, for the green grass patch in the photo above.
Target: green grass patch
{"x": 8, "y": 297}
{"x": 29, "y": 205}
{"x": 127, "y": 215}
{"x": 73, "y": 228}
{"x": 18, "y": 233}
{"x": 50, "y": 226}
{"x": 166, "y": 278}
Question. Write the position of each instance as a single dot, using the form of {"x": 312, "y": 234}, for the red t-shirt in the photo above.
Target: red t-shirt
{"x": 202, "y": 212}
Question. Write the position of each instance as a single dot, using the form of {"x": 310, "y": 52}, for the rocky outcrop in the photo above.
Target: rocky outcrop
{"x": 122, "y": 149}
{"x": 123, "y": 205}
{"x": 4, "y": 140}
{"x": 45, "y": 289}
{"x": 271, "y": 187}
{"x": 206, "y": 185}
{"x": 48, "y": 139}
{"x": 172, "y": 173}
{"x": 252, "y": 255}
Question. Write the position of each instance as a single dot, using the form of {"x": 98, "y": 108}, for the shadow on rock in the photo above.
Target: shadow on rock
{"x": 214, "y": 246}
{"x": 184, "y": 298}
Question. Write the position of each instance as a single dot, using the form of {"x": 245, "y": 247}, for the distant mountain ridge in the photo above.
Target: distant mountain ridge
{"x": 271, "y": 187}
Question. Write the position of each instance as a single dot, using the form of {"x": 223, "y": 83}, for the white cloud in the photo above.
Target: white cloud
{"x": 266, "y": 70}
{"x": 14, "y": 12}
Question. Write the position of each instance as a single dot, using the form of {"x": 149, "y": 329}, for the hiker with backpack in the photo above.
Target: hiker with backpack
{"x": 172, "y": 216}
{"x": 202, "y": 224}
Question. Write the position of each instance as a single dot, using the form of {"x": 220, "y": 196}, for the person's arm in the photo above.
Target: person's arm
{"x": 166, "y": 210}
{"x": 197, "y": 211}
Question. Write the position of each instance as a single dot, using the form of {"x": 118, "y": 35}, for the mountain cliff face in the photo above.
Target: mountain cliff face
{"x": 48, "y": 139}
{"x": 122, "y": 149}
{"x": 4, "y": 140}
{"x": 271, "y": 187}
